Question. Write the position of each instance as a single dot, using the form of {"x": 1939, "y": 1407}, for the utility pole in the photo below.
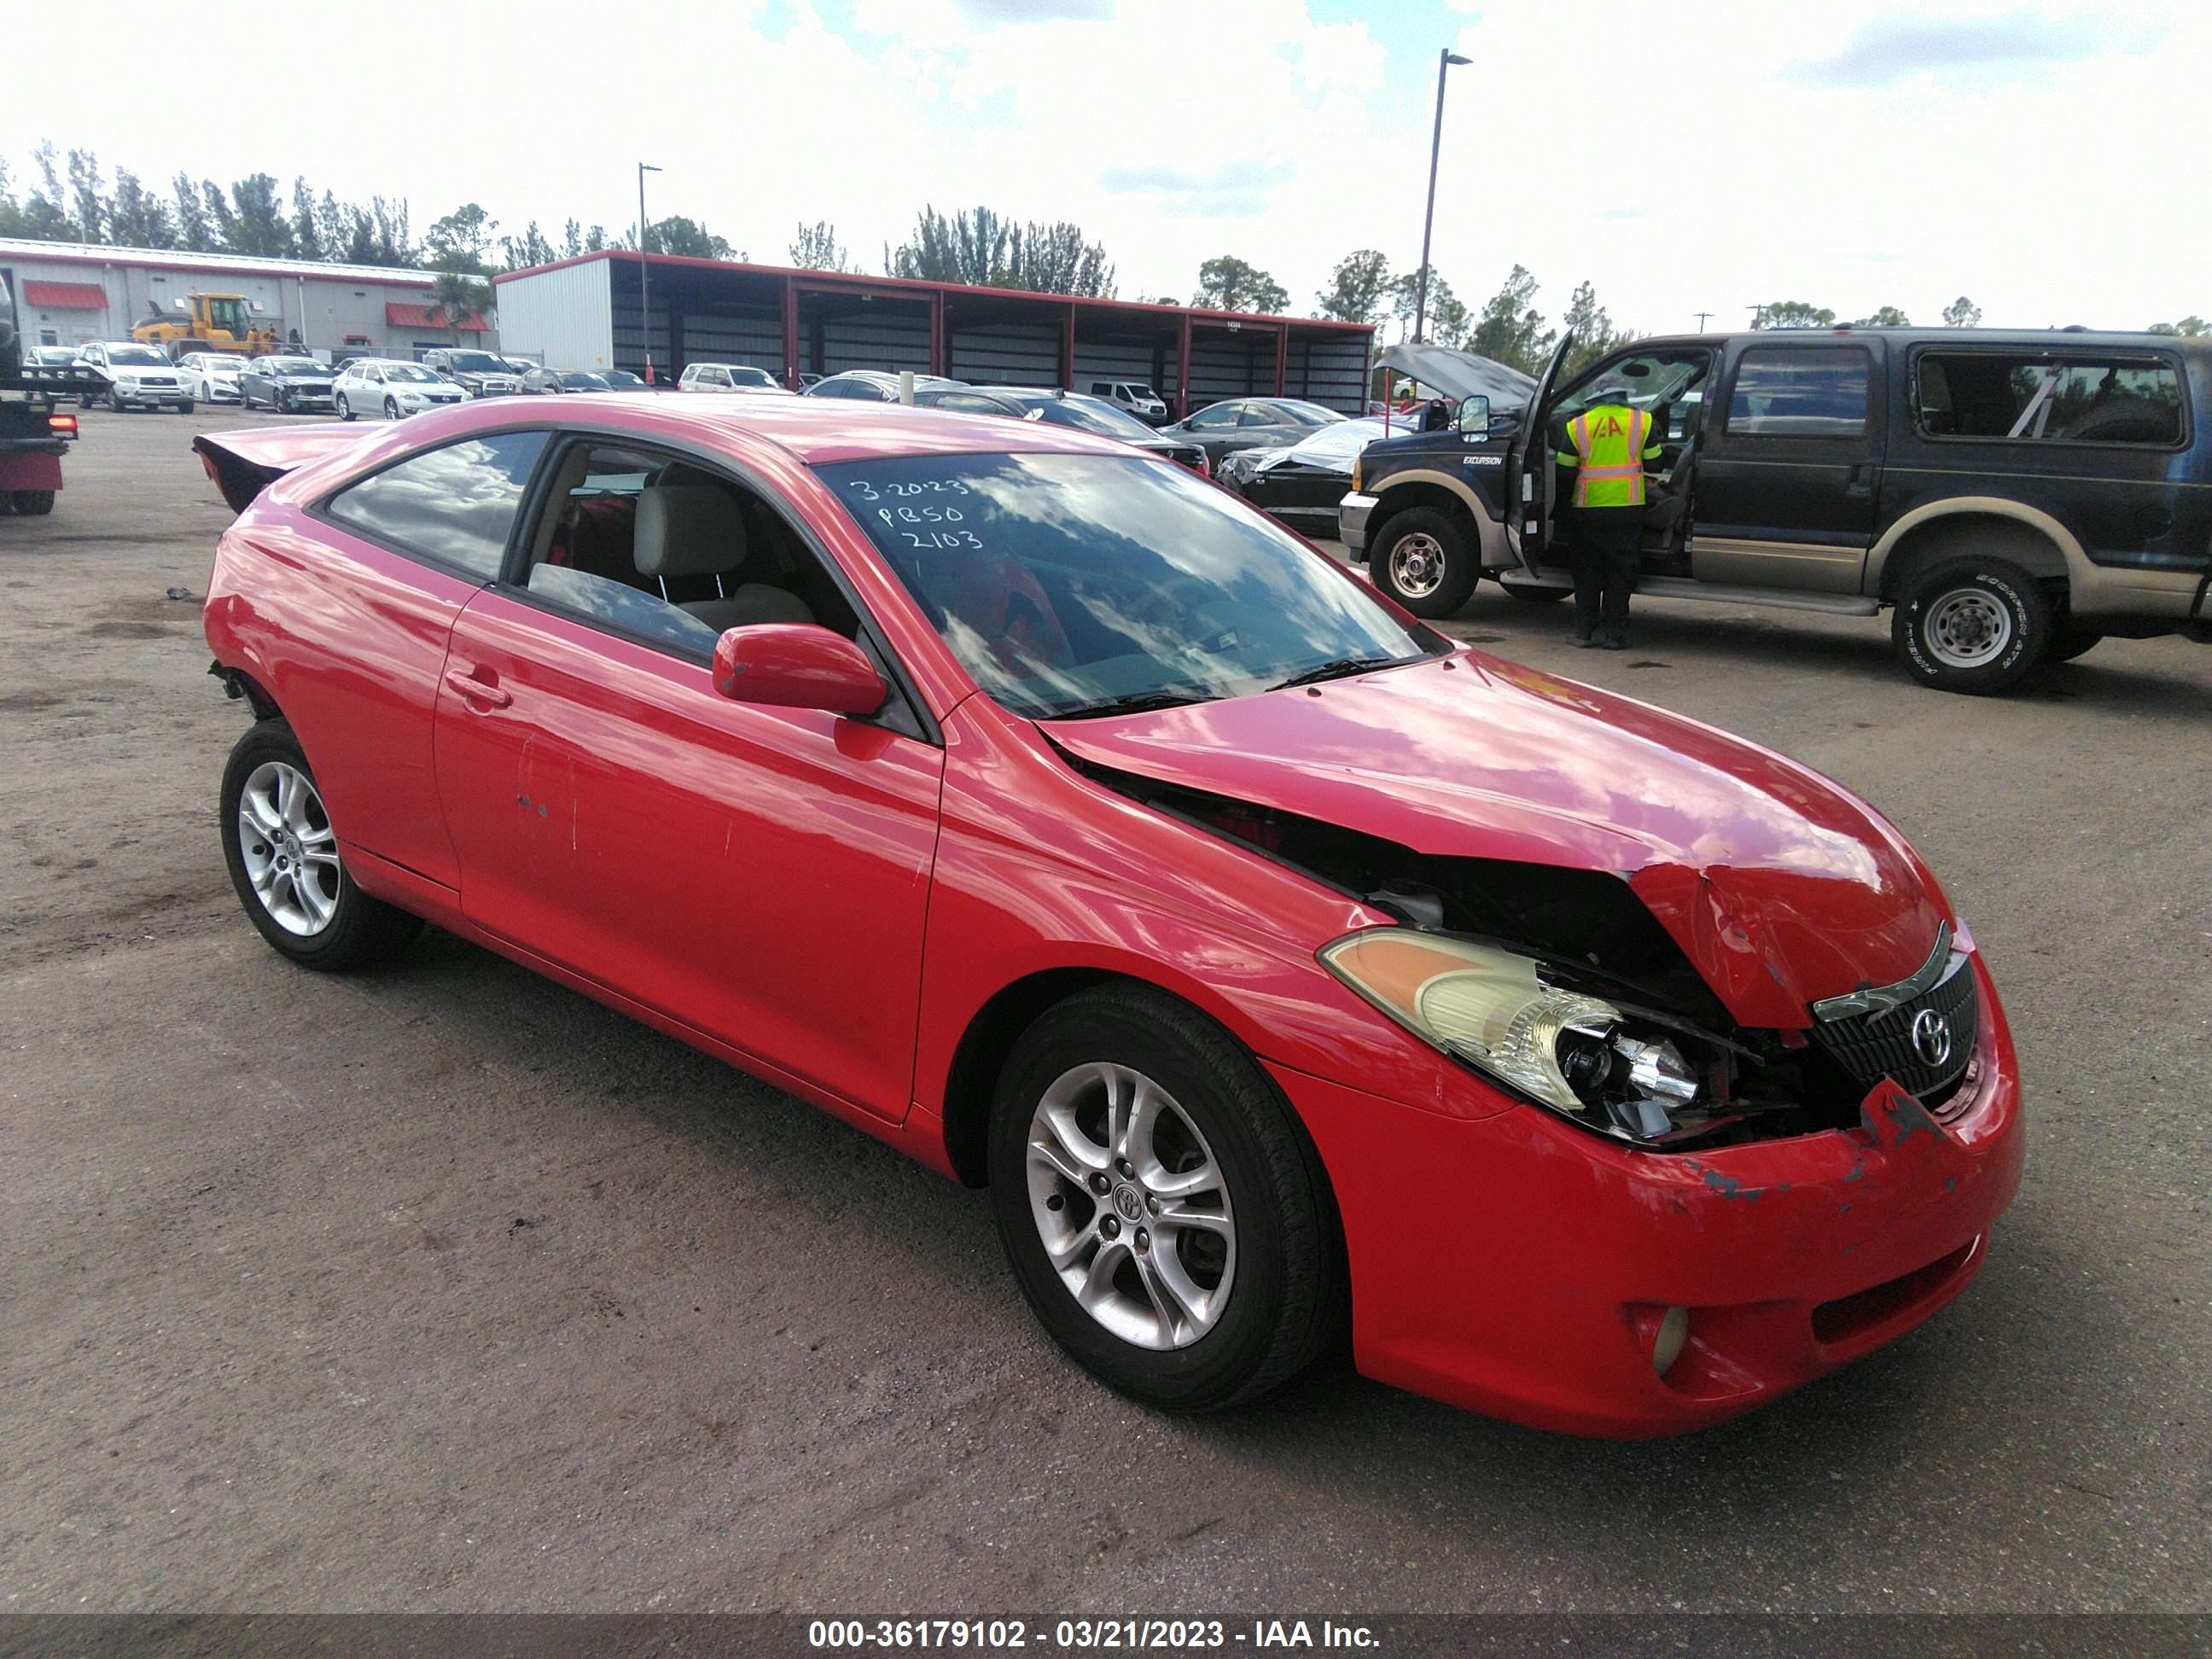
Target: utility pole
{"x": 1445, "y": 59}
{"x": 644, "y": 279}
{"x": 1757, "y": 315}
{"x": 1701, "y": 317}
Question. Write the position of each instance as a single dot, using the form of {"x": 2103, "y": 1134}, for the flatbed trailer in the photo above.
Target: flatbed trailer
{"x": 35, "y": 431}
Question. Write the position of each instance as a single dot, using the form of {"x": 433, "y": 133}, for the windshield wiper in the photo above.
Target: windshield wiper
{"x": 1136, "y": 702}
{"x": 1336, "y": 668}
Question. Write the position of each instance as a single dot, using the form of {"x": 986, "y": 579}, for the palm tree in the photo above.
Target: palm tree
{"x": 456, "y": 297}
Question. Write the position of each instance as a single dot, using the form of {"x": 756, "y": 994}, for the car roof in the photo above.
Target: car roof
{"x": 2041, "y": 339}
{"x": 816, "y": 431}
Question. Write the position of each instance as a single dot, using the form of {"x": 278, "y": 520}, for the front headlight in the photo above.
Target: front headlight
{"x": 1616, "y": 1071}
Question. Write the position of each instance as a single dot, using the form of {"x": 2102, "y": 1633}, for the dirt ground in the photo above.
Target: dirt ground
{"x": 443, "y": 1288}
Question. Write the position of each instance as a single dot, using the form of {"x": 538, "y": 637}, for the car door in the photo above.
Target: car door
{"x": 760, "y": 875}
{"x": 1529, "y": 466}
{"x": 416, "y": 540}
{"x": 1789, "y": 470}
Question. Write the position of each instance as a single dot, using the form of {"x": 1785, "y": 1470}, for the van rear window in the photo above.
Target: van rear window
{"x": 2036, "y": 399}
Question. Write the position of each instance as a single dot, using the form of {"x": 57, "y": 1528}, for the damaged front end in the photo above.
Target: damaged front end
{"x": 1561, "y": 987}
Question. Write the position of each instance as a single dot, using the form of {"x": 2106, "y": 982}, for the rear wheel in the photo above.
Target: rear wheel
{"x": 1423, "y": 562}
{"x": 284, "y": 861}
{"x": 1163, "y": 1211}
{"x": 32, "y": 503}
{"x": 1974, "y": 625}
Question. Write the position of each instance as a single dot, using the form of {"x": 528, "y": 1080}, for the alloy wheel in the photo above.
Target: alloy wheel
{"x": 1968, "y": 627}
{"x": 1417, "y": 565}
{"x": 1131, "y": 1206}
{"x": 291, "y": 854}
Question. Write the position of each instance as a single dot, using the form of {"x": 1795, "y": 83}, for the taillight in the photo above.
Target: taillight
{"x": 66, "y": 425}
{"x": 1204, "y": 465}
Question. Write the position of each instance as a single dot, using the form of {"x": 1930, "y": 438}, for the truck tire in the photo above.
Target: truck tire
{"x": 1972, "y": 625}
{"x": 1424, "y": 562}
{"x": 32, "y": 503}
{"x": 2070, "y": 643}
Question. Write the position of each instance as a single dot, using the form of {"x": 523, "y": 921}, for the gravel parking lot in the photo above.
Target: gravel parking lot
{"x": 444, "y": 1288}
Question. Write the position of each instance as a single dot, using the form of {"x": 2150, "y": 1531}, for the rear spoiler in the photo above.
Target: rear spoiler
{"x": 243, "y": 464}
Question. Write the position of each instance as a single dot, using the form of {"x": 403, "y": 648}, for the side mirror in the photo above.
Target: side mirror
{"x": 1475, "y": 417}
{"x": 797, "y": 665}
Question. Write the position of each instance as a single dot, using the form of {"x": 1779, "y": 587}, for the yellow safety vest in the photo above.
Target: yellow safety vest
{"x": 1612, "y": 442}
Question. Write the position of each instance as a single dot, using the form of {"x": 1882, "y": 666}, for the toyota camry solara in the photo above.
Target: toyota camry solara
{"x": 1285, "y": 972}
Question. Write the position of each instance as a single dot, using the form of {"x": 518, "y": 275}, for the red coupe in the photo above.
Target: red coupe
{"x": 1285, "y": 972}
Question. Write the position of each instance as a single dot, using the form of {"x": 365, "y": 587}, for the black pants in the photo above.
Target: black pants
{"x": 1605, "y": 552}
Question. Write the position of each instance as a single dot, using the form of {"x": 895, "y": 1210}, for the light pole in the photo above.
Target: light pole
{"x": 644, "y": 278}
{"x": 1445, "y": 59}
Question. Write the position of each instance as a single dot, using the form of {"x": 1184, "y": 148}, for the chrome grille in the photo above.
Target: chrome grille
{"x": 1871, "y": 1047}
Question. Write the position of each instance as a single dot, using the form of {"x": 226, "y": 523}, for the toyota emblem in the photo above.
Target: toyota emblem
{"x": 1131, "y": 1204}
{"x": 1931, "y": 1036}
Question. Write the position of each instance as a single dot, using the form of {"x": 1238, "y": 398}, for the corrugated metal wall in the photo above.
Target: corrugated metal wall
{"x": 733, "y": 334}
{"x": 560, "y": 317}
{"x": 1004, "y": 354}
{"x": 1123, "y": 363}
{"x": 885, "y": 338}
{"x": 1232, "y": 368}
{"x": 1331, "y": 371}
{"x": 629, "y": 339}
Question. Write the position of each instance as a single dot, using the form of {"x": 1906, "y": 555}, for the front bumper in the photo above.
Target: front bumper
{"x": 1513, "y": 1264}
{"x": 1352, "y": 515}
{"x": 310, "y": 398}
{"x": 218, "y": 391}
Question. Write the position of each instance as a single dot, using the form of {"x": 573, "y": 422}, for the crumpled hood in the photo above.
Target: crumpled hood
{"x": 1779, "y": 886}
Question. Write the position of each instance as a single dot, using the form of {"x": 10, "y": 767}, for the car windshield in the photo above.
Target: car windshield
{"x": 1298, "y": 413}
{"x": 622, "y": 377}
{"x": 476, "y": 362}
{"x": 742, "y": 376}
{"x": 56, "y": 354}
{"x": 1072, "y": 585}
{"x": 137, "y": 354}
{"x": 223, "y": 362}
{"x": 407, "y": 371}
{"x": 584, "y": 382}
{"x": 294, "y": 366}
{"x": 1092, "y": 415}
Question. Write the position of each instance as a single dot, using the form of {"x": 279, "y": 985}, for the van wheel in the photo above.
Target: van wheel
{"x": 1162, "y": 1209}
{"x": 1976, "y": 626}
{"x": 2070, "y": 643}
{"x": 1423, "y": 562}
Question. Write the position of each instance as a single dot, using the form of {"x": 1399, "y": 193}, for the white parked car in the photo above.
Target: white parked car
{"x": 137, "y": 375}
{"x": 730, "y": 377}
{"x": 392, "y": 389}
{"x": 212, "y": 376}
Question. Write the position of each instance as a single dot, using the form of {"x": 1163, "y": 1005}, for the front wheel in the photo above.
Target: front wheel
{"x": 185, "y": 407}
{"x": 1424, "y": 563}
{"x": 1162, "y": 1210}
{"x": 1976, "y": 626}
{"x": 390, "y": 410}
{"x": 284, "y": 861}
{"x": 345, "y": 409}
{"x": 279, "y": 404}
{"x": 32, "y": 503}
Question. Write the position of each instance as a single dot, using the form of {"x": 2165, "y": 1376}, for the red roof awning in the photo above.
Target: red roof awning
{"x": 65, "y": 296}
{"x": 397, "y": 314}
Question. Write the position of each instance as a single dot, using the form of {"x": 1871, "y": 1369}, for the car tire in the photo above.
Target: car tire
{"x": 1976, "y": 626}
{"x": 278, "y": 403}
{"x": 32, "y": 503}
{"x": 1535, "y": 595}
{"x": 1423, "y": 561}
{"x": 185, "y": 407}
{"x": 271, "y": 814}
{"x": 390, "y": 410}
{"x": 2069, "y": 643}
{"x": 345, "y": 409}
{"x": 1190, "y": 1315}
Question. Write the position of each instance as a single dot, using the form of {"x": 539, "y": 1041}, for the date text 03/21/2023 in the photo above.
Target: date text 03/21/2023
{"x": 1006, "y": 1635}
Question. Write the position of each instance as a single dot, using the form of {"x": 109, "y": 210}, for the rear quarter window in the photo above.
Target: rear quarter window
{"x": 455, "y": 505}
{"x": 2025, "y": 397}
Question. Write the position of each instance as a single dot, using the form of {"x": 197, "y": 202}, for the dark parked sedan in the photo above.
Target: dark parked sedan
{"x": 1029, "y": 403}
{"x": 557, "y": 380}
{"x": 1304, "y": 484}
{"x": 285, "y": 383}
{"x": 1237, "y": 423}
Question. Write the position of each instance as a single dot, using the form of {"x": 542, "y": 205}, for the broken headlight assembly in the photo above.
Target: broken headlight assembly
{"x": 1628, "y": 1071}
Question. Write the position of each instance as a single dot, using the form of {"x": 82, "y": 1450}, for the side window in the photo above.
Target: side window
{"x": 968, "y": 403}
{"x": 1261, "y": 415}
{"x": 664, "y": 552}
{"x": 1219, "y": 417}
{"x": 455, "y": 505}
{"x": 1795, "y": 392}
{"x": 2017, "y": 398}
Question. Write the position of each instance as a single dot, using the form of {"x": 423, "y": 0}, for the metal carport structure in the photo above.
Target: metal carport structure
{"x": 586, "y": 313}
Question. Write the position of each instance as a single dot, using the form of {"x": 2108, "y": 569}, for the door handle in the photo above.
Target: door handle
{"x": 1859, "y": 484}
{"x": 483, "y": 691}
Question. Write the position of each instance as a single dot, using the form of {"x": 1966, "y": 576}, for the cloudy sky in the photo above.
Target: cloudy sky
{"x": 1684, "y": 158}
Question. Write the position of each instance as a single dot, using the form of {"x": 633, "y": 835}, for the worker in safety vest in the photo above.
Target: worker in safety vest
{"x": 1607, "y": 446}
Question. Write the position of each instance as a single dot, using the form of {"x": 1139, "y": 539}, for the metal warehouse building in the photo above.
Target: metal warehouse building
{"x": 67, "y": 293}
{"x": 584, "y": 313}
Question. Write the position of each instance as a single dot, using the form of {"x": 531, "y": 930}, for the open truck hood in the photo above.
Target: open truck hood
{"x": 1460, "y": 374}
{"x": 1781, "y": 888}
{"x": 245, "y": 462}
